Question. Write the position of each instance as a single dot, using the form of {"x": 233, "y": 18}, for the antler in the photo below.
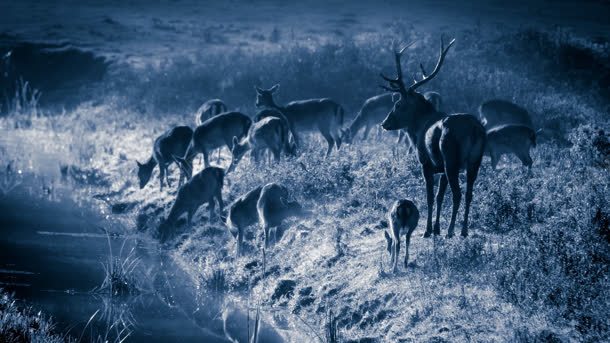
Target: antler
{"x": 441, "y": 59}
{"x": 397, "y": 84}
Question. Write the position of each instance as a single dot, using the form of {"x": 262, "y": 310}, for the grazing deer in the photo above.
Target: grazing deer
{"x": 243, "y": 213}
{"x": 509, "y": 130}
{"x": 209, "y": 109}
{"x": 172, "y": 142}
{"x": 445, "y": 144}
{"x": 506, "y": 139}
{"x": 214, "y": 133}
{"x": 494, "y": 113}
{"x": 289, "y": 132}
{"x": 323, "y": 115}
{"x": 204, "y": 187}
{"x": 372, "y": 112}
{"x": 273, "y": 207}
{"x": 266, "y": 134}
{"x": 403, "y": 218}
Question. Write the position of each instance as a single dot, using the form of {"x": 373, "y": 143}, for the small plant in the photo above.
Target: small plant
{"x": 25, "y": 100}
{"x": 119, "y": 273}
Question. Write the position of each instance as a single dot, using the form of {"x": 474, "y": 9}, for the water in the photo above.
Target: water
{"x": 52, "y": 255}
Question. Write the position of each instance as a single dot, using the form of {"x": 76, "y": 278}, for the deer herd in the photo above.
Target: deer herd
{"x": 445, "y": 145}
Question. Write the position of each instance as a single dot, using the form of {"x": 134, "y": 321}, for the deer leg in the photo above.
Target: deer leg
{"x": 407, "y": 242}
{"x": 218, "y": 158}
{"x": 378, "y": 129}
{"x": 440, "y": 196}
{"x": 396, "y": 250}
{"x": 206, "y": 161}
{"x": 266, "y": 231}
{"x": 276, "y": 155}
{"x": 453, "y": 178}
{"x": 400, "y": 136}
{"x": 182, "y": 177}
{"x": 211, "y": 206}
{"x": 495, "y": 158}
{"x": 240, "y": 239}
{"x": 471, "y": 177}
{"x": 220, "y": 203}
{"x": 189, "y": 215}
{"x": 337, "y": 137}
{"x": 525, "y": 158}
{"x": 161, "y": 177}
{"x": 365, "y": 134}
{"x": 330, "y": 141}
{"x": 169, "y": 184}
{"x": 429, "y": 178}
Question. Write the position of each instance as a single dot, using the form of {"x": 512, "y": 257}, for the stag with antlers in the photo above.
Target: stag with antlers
{"x": 446, "y": 144}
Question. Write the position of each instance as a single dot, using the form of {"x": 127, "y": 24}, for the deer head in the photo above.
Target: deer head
{"x": 264, "y": 97}
{"x": 410, "y": 105}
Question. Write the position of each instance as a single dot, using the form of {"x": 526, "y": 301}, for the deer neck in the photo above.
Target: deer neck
{"x": 356, "y": 124}
{"x": 274, "y": 105}
{"x": 151, "y": 163}
{"x": 423, "y": 123}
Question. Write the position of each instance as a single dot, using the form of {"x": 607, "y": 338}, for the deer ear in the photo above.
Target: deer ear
{"x": 274, "y": 88}
{"x": 258, "y": 90}
{"x": 139, "y": 164}
{"x": 235, "y": 141}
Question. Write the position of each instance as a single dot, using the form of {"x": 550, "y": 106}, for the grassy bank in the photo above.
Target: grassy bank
{"x": 19, "y": 324}
{"x": 535, "y": 266}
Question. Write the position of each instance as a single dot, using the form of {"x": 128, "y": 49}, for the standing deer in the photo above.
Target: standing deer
{"x": 172, "y": 142}
{"x": 209, "y": 109}
{"x": 273, "y": 207}
{"x": 243, "y": 213}
{"x": 204, "y": 187}
{"x": 445, "y": 144}
{"x": 324, "y": 115}
{"x": 214, "y": 133}
{"x": 403, "y": 218}
{"x": 266, "y": 134}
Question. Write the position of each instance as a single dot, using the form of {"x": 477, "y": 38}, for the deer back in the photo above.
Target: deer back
{"x": 494, "y": 113}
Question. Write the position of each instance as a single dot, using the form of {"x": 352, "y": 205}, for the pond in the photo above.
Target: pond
{"x": 55, "y": 256}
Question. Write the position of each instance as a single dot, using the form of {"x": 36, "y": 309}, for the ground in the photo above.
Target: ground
{"x": 535, "y": 267}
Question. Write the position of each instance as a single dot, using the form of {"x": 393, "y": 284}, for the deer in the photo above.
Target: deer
{"x": 496, "y": 112}
{"x": 174, "y": 141}
{"x": 403, "y": 218}
{"x": 507, "y": 139}
{"x": 286, "y": 127}
{"x": 445, "y": 144}
{"x": 209, "y": 109}
{"x": 372, "y": 112}
{"x": 204, "y": 187}
{"x": 509, "y": 130}
{"x": 273, "y": 207}
{"x": 266, "y": 134}
{"x": 243, "y": 213}
{"x": 214, "y": 133}
{"x": 323, "y": 115}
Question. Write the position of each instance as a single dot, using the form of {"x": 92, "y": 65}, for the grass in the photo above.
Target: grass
{"x": 120, "y": 276}
{"x": 24, "y": 324}
{"x": 536, "y": 264}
